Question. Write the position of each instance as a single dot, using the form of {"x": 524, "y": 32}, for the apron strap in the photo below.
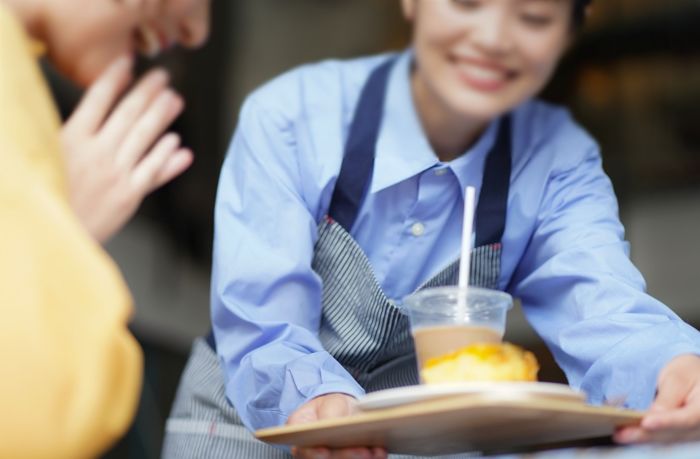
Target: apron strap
{"x": 210, "y": 340}
{"x": 358, "y": 159}
{"x": 491, "y": 209}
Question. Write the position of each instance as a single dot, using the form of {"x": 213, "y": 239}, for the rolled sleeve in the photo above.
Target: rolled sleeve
{"x": 266, "y": 298}
{"x": 583, "y": 295}
{"x": 284, "y": 379}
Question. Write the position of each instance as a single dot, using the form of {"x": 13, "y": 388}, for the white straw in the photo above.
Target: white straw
{"x": 466, "y": 255}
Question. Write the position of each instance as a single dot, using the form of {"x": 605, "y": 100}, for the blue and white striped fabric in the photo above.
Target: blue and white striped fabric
{"x": 363, "y": 329}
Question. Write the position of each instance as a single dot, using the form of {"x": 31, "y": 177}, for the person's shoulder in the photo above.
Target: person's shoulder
{"x": 543, "y": 124}
{"x": 323, "y": 87}
{"x": 550, "y": 130}
{"x": 10, "y": 24}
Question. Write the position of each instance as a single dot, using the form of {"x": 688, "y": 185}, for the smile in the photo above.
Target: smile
{"x": 483, "y": 76}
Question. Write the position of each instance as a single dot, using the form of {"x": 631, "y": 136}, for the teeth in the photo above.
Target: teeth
{"x": 483, "y": 73}
{"x": 149, "y": 42}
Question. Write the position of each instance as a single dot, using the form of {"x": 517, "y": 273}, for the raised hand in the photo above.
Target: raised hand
{"x": 116, "y": 149}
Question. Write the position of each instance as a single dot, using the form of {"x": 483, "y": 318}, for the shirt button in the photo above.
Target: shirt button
{"x": 440, "y": 172}
{"x": 418, "y": 229}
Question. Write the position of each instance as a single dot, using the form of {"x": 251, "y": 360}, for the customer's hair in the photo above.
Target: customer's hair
{"x": 580, "y": 11}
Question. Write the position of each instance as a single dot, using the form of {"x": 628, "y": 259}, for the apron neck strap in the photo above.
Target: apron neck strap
{"x": 358, "y": 164}
{"x": 358, "y": 160}
{"x": 492, "y": 207}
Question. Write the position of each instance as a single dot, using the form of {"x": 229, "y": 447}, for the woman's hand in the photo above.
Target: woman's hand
{"x": 325, "y": 407}
{"x": 115, "y": 148}
{"x": 675, "y": 414}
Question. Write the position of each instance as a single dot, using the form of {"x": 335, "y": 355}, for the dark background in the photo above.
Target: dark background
{"x": 632, "y": 79}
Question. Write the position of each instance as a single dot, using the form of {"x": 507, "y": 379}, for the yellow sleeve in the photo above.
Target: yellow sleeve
{"x": 71, "y": 370}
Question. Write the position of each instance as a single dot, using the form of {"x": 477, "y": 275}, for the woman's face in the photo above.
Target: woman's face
{"x": 83, "y": 37}
{"x": 481, "y": 58}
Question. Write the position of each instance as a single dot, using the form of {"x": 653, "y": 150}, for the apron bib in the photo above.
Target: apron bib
{"x": 360, "y": 326}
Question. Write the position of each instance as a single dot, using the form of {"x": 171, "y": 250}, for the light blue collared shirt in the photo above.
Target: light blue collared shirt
{"x": 564, "y": 253}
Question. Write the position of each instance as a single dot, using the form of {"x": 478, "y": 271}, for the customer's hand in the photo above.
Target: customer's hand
{"x": 325, "y": 407}
{"x": 675, "y": 414}
{"x": 115, "y": 148}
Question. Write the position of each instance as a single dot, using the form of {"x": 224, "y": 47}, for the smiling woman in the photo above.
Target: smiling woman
{"x": 476, "y": 59}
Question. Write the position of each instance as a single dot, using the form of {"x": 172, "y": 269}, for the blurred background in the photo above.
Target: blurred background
{"x": 632, "y": 79}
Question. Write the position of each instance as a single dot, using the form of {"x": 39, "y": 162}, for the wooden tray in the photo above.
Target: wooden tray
{"x": 459, "y": 424}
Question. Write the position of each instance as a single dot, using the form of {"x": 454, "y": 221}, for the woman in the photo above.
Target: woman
{"x": 73, "y": 370}
{"x": 342, "y": 193}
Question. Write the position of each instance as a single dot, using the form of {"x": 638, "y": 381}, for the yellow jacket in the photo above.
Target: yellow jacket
{"x": 71, "y": 372}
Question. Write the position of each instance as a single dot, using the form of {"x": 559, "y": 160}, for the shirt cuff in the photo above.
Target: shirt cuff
{"x": 313, "y": 381}
{"x": 268, "y": 395}
{"x": 629, "y": 375}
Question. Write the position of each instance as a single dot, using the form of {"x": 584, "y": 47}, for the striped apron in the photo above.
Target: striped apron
{"x": 364, "y": 330}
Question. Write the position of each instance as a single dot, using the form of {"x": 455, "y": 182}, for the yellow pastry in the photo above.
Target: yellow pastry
{"x": 482, "y": 362}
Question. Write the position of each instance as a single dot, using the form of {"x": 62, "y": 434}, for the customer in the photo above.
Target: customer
{"x": 72, "y": 371}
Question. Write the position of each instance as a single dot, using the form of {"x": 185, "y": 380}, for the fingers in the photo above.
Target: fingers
{"x": 326, "y": 406}
{"x": 346, "y": 453}
{"x": 354, "y": 453}
{"x": 628, "y": 435}
{"x": 163, "y": 163}
{"x": 671, "y": 393}
{"x": 101, "y": 96}
{"x": 133, "y": 106}
{"x": 305, "y": 413}
{"x": 176, "y": 164}
{"x": 681, "y": 418}
{"x": 330, "y": 406}
{"x": 685, "y": 418}
{"x": 633, "y": 435}
{"x": 149, "y": 127}
{"x": 335, "y": 406}
{"x": 312, "y": 453}
{"x": 674, "y": 415}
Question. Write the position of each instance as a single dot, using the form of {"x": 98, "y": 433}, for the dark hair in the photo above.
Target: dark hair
{"x": 580, "y": 11}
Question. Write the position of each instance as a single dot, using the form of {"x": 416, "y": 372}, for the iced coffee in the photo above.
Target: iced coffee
{"x": 438, "y": 340}
{"x": 458, "y": 335}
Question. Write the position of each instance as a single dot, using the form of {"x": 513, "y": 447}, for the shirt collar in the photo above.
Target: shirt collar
{"x": 403, "y": 151}
{"x": 469, "y": 167}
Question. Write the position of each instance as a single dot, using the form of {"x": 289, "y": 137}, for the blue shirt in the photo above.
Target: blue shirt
{"x": 564, "y": 253}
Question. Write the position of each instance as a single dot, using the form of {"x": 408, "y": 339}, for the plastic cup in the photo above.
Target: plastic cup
{"x": 441, "y": 323}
